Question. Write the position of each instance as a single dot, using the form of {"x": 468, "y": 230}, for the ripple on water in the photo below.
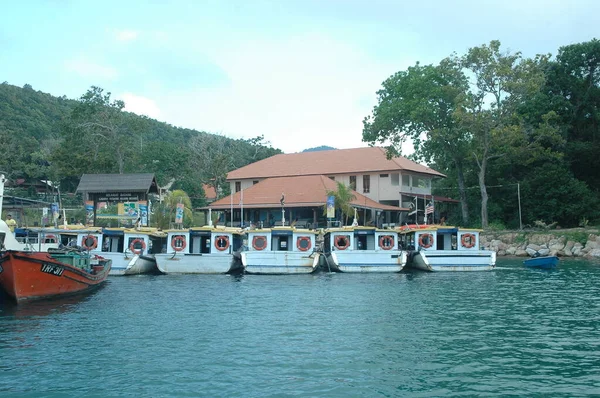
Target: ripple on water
{"x": 512, "y": 331}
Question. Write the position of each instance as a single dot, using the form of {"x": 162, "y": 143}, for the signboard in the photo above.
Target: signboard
{"x": 54, "y": 212}
{"x": 179, "y": 213}
{"x": 89, "y": 213}
{"x": 143, "y": 213}
{"x": 116, "y": 196}
{"x": 330, "y": 206}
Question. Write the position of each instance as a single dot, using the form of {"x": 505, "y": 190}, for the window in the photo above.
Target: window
{"x": 238, "y": 186}
{"x": 384, "y": 175}
{"x": 395, "y": 180}
{"x": 366, "y": 183}
{"x": 254, "y": 182}
{"x": 405, "y": 180}
{"x": 353, "y": 183}
{"x": 421, "y": 182}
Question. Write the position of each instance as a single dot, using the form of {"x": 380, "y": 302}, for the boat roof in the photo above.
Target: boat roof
{"x": 217, "y": 228}
{"x": 287, "y": 228}
{"x": 350, "y": 228}
{"x": 435, "y": 227}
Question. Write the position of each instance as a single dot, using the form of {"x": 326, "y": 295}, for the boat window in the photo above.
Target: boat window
{"x": 361, "y": 242}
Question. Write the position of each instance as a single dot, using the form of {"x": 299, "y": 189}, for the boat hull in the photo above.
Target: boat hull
{"x": 280, "y": 263}
{"x": 198, "y": 263}
{"x": 130, "y": 265}
{"x": 366, "y": 261}
{"x": 452, "y": 260}
{"x": 542, "y": 262}
{"x": 37, "y": 275}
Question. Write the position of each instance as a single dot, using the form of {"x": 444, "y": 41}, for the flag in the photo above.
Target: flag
{"x": 429, "y": 208}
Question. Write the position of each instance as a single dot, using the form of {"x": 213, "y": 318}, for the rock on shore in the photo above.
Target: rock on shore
{"x": 553, "y": 243}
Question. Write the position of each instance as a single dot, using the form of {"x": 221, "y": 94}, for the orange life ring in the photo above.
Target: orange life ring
{"x": 133, "y": 248}
{"x": 341, "y": 242}
{"x": 178, "y": 243}
{"x": 259, "y": 242}
{"x": 50, "y": 238}
{"x": 429, "y": 243}
{"x": 386, "y": 242}
{"x": 91, "y": 246}
{"x": 468, "y": 240}
{"x": 303, "y": 240}
{"x": 222, "y": 243}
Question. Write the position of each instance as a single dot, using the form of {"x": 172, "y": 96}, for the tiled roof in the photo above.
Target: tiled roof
{"x": 144, "y": 182}
{"x": 300, "y": 191}
{"x": 209, "y": 191}
{"x": 338, "y": 161}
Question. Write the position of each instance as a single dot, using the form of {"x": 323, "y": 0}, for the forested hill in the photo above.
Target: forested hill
{"x": 60, "y": 139}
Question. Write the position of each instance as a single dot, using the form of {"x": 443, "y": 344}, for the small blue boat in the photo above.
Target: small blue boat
{"x": 542, "y": 262}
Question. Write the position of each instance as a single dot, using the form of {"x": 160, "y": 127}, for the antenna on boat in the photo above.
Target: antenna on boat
{"x": 210, "y": 224}
{"x": 355, "y": 221}
{"x": 282, "y": 201}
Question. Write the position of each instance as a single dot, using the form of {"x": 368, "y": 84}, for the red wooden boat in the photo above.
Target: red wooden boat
{"x": 37, "y": 275}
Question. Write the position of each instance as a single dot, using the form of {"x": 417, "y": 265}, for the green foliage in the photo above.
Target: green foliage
{"x": 61, "y": 139}
{"x": 343, "y": 201}
{"x": 577, "y": 236}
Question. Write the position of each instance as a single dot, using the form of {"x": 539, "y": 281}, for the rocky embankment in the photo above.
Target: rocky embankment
{"x": 563, "y": 243}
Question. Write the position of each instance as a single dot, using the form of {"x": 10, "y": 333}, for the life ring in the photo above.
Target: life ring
{"x": 341, "y": 242}
{"x": 178, "y": 243}
{"x": 428, "y": 238}
{"x": 222, "y": 243}
{"x": 85, "y": 242}
{"x": 133, "y": 249}
{"x": 259, "y": 242}
{"x": 49, "y": 238}
{"x": 386, "y": 242}
{"x": 303, "y": 243}
{"x": 468, "y": 240}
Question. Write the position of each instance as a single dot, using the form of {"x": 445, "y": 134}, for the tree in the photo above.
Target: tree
{"x": 502, "y": 83}
{"x": 421, "y": 104}
{"x": 105, "y": 125}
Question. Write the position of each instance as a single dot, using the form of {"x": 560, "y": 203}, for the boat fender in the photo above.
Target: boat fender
{"x": 341, "y": 242}
{"x": 222, "y": 243}
{"x": 386, "y": 242}
{"x": 259, "y": 242}
{"x": 178, "y": 243}
{"x": 303, "y": 243}
{"x": 89, "y": 242}
{"x": 426, "y": 241}
{"x": 132, "y": 246}
{"x": 468, "y": 241}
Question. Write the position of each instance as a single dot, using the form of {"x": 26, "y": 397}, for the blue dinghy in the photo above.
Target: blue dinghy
{"x": 542, "y": 262}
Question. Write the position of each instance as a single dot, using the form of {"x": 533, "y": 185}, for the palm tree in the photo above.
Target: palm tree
{"x": 343, "y": 200}
{"x": 172, "y": 200}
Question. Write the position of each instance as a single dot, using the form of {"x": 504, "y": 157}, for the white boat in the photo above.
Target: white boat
{"x": 201, "y": 250}
{"x": 280, "y": 250}
{"x": 129, "y": 249}
{"x": 363, "y": 249}
{"x": 445, "y": 248}
{"x": 36, "y": 239}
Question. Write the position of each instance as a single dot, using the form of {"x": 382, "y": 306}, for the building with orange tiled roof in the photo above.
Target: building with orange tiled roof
{"x": 209, "y": 192}
{"x": 383, "y": 187}
{"x": 304, "y": 199}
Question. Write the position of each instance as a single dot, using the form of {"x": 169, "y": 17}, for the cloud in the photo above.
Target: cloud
{"x": 86, "y": 68}
{"x": 307, "y": 91}
{"x": 141, "y": 105}
{"x": 126, "y": 35}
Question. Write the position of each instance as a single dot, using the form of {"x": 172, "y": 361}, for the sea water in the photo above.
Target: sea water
{"x": 512, "y": 331}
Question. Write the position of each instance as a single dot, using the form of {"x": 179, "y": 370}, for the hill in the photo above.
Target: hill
{"x": 56, "y": 138}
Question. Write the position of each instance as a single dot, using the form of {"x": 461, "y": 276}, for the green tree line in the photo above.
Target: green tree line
{"x": 60, "y": 139}
{"x": 492, "y": 119}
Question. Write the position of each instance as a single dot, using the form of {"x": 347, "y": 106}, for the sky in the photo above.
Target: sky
{"x": 301, "y": 73}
